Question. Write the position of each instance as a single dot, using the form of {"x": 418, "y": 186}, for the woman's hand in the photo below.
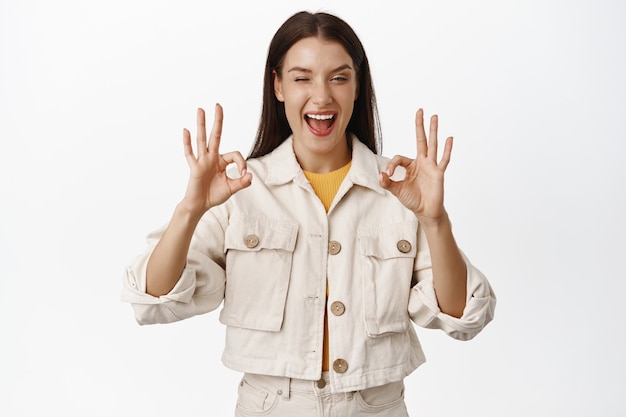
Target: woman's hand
{"x": 208, "y": 183}
{"x": 421, "y": 191}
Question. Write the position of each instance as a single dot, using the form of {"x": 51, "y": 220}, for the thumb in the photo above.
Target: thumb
{"x": 238, "y": 184}
{"x": 387, "y": 183}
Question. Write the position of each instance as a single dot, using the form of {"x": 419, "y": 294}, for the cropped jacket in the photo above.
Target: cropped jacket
{"x": 266, "y": 255}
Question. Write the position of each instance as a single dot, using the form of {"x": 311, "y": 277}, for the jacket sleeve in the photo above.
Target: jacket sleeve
{"x": 200, "y": 288}
{"x": 424, "y": 309}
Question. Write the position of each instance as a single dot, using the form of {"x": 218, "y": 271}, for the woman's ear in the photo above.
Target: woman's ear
{"x": 278, "y": 87}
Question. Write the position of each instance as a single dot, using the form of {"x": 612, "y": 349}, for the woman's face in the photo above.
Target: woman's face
{"x": 319, "y": 86}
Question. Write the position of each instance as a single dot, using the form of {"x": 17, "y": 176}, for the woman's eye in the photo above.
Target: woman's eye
{"x": 339, "y": 78}
{"x": 301, "y": 79}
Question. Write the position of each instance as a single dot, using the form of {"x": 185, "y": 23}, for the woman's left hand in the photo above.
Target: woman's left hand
{"x": 421, "y": 190}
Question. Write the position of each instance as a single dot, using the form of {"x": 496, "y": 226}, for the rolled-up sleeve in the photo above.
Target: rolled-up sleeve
{"x": 424, "y": 309}
{"x": 199, "y": 289}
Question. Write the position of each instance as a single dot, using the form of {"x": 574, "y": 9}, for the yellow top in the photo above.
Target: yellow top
{"x": 326, "y": 186}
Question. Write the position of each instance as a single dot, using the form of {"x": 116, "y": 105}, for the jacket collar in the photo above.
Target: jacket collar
{"x": 284, "y": 167}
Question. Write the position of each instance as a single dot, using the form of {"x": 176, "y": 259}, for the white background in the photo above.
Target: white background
{"x": 93, "y": 99}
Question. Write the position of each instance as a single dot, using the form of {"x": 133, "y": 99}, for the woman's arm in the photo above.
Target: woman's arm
{"x": 421, "y": 191}
{"x": 449, "y": 268}
{"x": 208, "y": 186}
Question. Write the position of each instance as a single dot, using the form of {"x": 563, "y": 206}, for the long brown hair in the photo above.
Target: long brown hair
{"x": 273, "y": 126}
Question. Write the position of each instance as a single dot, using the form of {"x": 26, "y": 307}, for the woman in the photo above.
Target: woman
{"x": 321, "y": 251}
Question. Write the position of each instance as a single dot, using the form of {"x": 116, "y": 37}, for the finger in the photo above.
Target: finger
{"x": 245, "y": 179}
{"x": 387, "y": 183}
{"x": 236, "y": 158}
{"x": 189, "y": 156}
{"x": 420, "y": 133}
{"x": 201, "y": 132}
{"x": 397, "y": 160}
{"x": 447, "y": 152}
{"x": 236, "y": 184}
{"x": 216, "y": 130}
{"x": 432, "y": 138}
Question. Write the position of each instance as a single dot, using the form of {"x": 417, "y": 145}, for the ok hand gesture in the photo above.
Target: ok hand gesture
{"x": 208, "y": 183}
{"x": 421, "y": 191}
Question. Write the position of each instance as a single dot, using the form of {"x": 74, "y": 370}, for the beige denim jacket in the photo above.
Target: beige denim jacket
{"x": 266, "y": 254}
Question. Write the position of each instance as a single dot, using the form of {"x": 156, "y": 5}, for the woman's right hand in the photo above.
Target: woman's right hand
{"x": 208, "y": 183}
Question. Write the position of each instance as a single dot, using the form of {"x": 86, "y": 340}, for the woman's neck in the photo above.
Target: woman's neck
{"x": 322, "y": 163}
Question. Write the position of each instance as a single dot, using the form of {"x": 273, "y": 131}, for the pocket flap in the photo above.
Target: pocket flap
{"x": 396, "y": 240}
{"x": 254, "y": 234}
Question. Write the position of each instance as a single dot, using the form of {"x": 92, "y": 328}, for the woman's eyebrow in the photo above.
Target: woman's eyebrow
{"x": 302, "y": 69}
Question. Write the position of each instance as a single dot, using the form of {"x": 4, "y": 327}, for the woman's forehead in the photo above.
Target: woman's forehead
{"x": 315, "y": 53}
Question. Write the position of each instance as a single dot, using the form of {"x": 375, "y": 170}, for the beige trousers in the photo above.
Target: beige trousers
{"x": 261, "y": 395}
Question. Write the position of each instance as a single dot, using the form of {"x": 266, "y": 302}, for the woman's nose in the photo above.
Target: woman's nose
{"x": 321, "y": 94}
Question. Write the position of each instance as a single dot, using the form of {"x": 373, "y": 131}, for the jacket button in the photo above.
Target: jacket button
{"x": 404, "y": 246}
{"x": 340, "y": 366}
{"x": 337, "y": 308}
{"x": 251, "y": 241}
{"x": 334, "y": 247}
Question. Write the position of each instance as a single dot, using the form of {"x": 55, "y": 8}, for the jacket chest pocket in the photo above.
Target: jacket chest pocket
{"x": 258, "y": 268}
{"x": 387, "y": 260}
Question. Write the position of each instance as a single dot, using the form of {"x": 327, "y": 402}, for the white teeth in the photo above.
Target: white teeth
{"x": 320, "y": 116}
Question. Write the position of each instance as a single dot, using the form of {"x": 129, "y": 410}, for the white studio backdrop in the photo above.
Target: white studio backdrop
{"x": 94, "y": 97}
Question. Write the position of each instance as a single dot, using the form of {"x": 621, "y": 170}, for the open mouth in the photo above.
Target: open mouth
{"x": 320, "y": 124}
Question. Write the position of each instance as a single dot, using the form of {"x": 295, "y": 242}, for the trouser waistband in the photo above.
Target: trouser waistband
{"x": 285, "y": 386}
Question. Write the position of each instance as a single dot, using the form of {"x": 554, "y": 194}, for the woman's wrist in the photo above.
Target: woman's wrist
{"x": 435, "y": 224}
{"x": 184, "y": 213}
